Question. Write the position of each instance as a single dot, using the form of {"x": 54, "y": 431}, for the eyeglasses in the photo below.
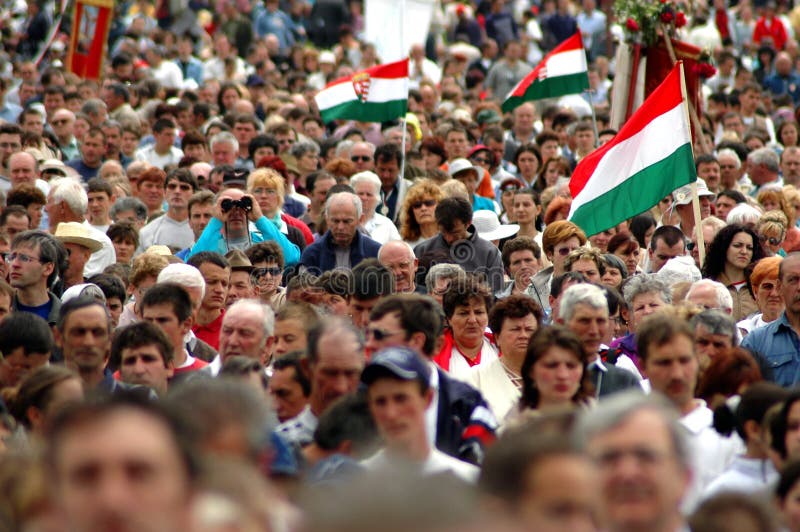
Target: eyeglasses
{"x": 480, "y": 160}
{"x": 427, "y": 203}
{"x": 379, "y": 334}
{"x": 60, "y": 122}
{"x": 261, "y": 272}
{"x": 360, "y": 158}
{"x": 23, "y": 258}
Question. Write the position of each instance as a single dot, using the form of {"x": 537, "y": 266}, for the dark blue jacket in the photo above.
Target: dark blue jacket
{"x": 321, "y": 255}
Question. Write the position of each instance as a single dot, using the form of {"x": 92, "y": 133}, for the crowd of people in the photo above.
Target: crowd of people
{"x": 218, "y": 312}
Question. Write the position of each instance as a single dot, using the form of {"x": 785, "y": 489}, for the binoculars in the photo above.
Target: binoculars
{"x": 246, "y": 204}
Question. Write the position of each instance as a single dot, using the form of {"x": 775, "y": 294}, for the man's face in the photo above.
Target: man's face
{"x": 403, "y": 264}
{"x": 590, "y": 324}
{"x": 790, "y": 165}
{"x": 113, "y": 140}
{"x": 672, "y": 369}
{"x": 129, "y": 143}
{"x": 469, "y": 178}
{"x": 361, "y": 155}
{"x": 178, "y": 194}
{"x": 26, "y": 269}
{"x": 92, "y": 150}
{"x": 18, "y": 363}
{"x": 285, "y": 141}
{"x": 642, "y": 480}
{"x": 340, "y": 361}
{"x": 704, "y": 296}
{"x": 729, "y": 170}
{"x": 286, "y": 394}
{"x": 152, "y": 195}
{"x": 398, "y": 408}
{"x": 144, "y": 365}
{"x": 200, "y": 216}
{"x": 244, "y": 132}
{"x": 390, "y": 331}
{"x": 588, "y": 268}
{"x": 99, "y": 205}
{"x": 217, "y": 280}
{"x": 9, "y": 144}
{"x": 321, "y": 188}
{"x": 165, "y": 139}
{"x": 223, "y": 153}
{"x": 22, "y": 169}
{"x": 584, "y": 141}
{"x": 724, "y": 204}
{"x": 15, "y": 224}
{"x": 359, "y": 310}
{"x": 710, "y": 345}
{"x": 522, "y": 265}
{"x": 663, "y": 252}
{"x": 85, "y": 340}
{"x": 789, "y": 284}
{"x": 710, "y": 173}
{"x": 240, "y": 287}
{"x": 388, "y": 171}
{"x": 342, "y": 222}
{"x": 749, "y": 101}
{"x": 290, "y": 335}
{"x": 456, "y": 144}
{"x": 121, "y": 472}
{"x": 33, "y": 123}
{"x": 243, "y": 334}
{"x": 458, "y": 232}
{"x": 78, "y": 257}
{"x": 163, "y": 316}
{"x": 560, "y": 493}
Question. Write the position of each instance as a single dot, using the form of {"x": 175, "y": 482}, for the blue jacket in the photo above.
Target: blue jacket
{"x": 321, "y": 255}
{"x": 212, "y": 240}
{"x": 194, "y": 69}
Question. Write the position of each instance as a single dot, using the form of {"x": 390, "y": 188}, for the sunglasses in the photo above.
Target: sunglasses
{"x": 261, "y": 272}
{"x": 565, "y": 251}
{"x": 59, "y": 122}
{"x": 427, "y": 203}
{"x": 772, "y": 240}
{"x": 480, "y": 160}
{"x": 360, "y": 158}
{"x": 379, "y": 334}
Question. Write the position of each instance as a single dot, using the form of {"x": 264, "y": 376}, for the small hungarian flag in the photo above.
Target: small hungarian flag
{"x": 649, "y": 158}
{"x": 562, "y": 71}
{"x": 377, "y": 94}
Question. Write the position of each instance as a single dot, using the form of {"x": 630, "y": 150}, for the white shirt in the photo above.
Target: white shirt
{"x": 460, "y": 368}
{"x": 168, "y": 74}
{"x": 436, "y": 463}
{"x": 493, "y": 382}
{"x": 744, "y": 475}
{"x": 149, "y": 155}
{"x": 166, "y": 231}
{"x": 381, "y": 229}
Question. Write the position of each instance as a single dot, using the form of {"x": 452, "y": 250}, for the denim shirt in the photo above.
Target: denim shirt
{"x": 779, "y": 345}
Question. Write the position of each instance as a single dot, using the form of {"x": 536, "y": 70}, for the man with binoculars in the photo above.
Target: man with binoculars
{"x": 231, "y": 228}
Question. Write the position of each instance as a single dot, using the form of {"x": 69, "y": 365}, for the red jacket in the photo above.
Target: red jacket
{"x": 775, "y": 30}
{"x": 294, "y": 222}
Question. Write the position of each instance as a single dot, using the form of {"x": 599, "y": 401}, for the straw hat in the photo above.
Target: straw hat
{"x": 239, "y": 261}
{"x": 77, "y": 233}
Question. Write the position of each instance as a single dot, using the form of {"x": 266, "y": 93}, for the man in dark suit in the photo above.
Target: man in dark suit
{"x": 584, "y": 310}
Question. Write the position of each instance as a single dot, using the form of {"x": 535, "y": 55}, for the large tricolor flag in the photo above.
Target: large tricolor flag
{"x": 562, "y": 71}
{"x": 649, "y": 158}
{"x": 377, "y": 94}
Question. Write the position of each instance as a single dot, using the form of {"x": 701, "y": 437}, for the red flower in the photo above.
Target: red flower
{"x": 632, "y": 25}
{"x": 680, "y": 20}
{"x": 666, "y": 17}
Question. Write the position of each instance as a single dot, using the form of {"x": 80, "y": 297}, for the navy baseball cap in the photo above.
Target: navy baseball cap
{"x": 401, "y": 362}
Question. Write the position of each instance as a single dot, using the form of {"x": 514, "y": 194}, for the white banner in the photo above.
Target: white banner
{"x": 384, "y": 21}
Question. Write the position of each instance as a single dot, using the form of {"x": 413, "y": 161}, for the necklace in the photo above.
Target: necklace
{"x": 514, "y": 377}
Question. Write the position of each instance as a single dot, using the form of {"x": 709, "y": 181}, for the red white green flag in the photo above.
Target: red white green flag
{"x": 649, "y": 158}
{"x": 377, "y": 94}
{"x": 562, "y": 71}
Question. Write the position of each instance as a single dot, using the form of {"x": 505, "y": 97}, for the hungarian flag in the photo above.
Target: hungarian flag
{"x": 377, "y": 94}
{"x": 562, "y": 71}
{"x": 649, "y": 158}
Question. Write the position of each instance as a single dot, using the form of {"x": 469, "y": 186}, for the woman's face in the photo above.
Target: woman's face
{"x": 525, "y": 210}
{"x": 515, "y": 334}
{"x": 789, "y": 136}
{"x": 612, "y": 278}
{"x": 648, "y": 235}
{"x": 124, "y": 249}
{"x": 469, "y": 322}
{"x": 551, "y": 175}
{"x": 229, "y": 98}
{"x": 740, "y": 251}
{"x": 600, "y": 240}
{"x": 424, "y": 210}
{"x": 770, "y": 205}
{"x": 557, "y": 375}
{"x": 268, "y": 199}
{"x": 483, "y": 159}
{"x": 432, "y": 161}
{"x": 771, "y": 241}
{"x": 643, "y": 305}
{"x": 768, "y": 297}
{"x": 631, "y": 259}
{"x": 528, "y": 165}
{"x": 507, "y": 200}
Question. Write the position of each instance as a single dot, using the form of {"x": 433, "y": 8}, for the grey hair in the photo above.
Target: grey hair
{"x": 343, "y": 149}
{"x": 724, "y": 298}
{"x": 248, "y": 305}
{"x": 615, "y": 410}
{"x": 743, "y": 214}
{"x": 93, "y": 106}
{"x": 730, "y": 153}
{"x": 367, "y": 177}
{"x": 129, "y": 204}
{"x": 643, "y": 284}
{"x": 717, "y": 322}
{"x": 184, "y": 275}
{"x": 303, "y": 147}
{"x": 345, "y": 195}
{"x": 765, "y": 156}
{"x": 581, "y": 293}
{"x": 70, "y": 191}
{"x": 368, "y": 144}
{"x": 443, "y": 271}
{"x": 224, "y": 137}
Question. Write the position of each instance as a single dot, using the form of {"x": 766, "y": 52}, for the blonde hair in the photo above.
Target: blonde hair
{"x": 268, "y": 178}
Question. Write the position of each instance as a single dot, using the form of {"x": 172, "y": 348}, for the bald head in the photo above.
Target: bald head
{"x": 398, "y": 256}
{"x": 22, "y": 168}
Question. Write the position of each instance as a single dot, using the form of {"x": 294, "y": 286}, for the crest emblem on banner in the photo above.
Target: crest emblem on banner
{"x": 361, "y": 83}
